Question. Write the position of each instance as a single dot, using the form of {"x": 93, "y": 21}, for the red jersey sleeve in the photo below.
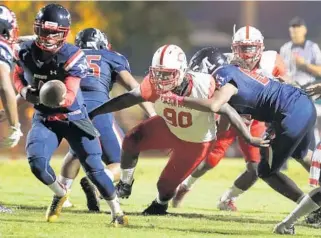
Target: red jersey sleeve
{"x": 18, "y": 80}
{"x": 72, "y": 85}
{"x": 147, "y": 90}
{"x": 279, "y": 67}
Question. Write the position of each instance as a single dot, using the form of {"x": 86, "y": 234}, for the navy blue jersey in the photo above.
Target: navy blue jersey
{"x": 263, "y": 98}
{"x": 6, "y": 54}
{"x": 68, "y": 61}
{"x": 104, "y": 65}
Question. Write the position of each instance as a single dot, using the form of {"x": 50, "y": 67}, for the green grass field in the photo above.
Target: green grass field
{"x": 259, "y": 209}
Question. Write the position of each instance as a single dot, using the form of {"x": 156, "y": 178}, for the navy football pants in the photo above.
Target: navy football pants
{"x": 111, "y": 135}
{"x": 294, "y": 132}
{"x": 44, "y": 138}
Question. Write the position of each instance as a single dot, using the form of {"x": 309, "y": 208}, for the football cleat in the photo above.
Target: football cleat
{"x": 314, "y": 218}
{"x": 282, "y": 229}
{"x": 181, "y": 191}
{"x": 5, "y": 209}
{"x": 92, "y": 197}
{"x": 54, "y": 210}
{"x": 227, "y": 205}
{"x": 120, "y": 220}
{"x": 67, "y": 204}
{"x": 156, "y": 209}
{"x": 123, "y": 190}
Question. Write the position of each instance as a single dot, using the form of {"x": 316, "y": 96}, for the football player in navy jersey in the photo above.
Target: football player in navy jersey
{"x": 105, "y": 68}
{"x": 289, "y": 109}
{"x": 8, "y": 36}
{"x": 47, "y": 58}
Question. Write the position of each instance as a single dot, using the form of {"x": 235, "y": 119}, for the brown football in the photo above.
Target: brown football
{"x": 52, "y": 93}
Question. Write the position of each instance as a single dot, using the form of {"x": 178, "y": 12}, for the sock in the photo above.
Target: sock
{"x": 306, "y": 206}
{"x": 231, "y": 193}
{"x": 114, "y": 206}
{"x": 127, "y": 175}
{"x": 160, "y": 201}
{"x": 110, "y": 174}
{"x": 67, "y": 182}
{"x": 58, "y": 189}
{"x": 189, "y": 182}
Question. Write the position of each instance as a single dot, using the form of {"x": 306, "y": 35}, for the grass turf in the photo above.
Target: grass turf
{"x": 259, "y": 209}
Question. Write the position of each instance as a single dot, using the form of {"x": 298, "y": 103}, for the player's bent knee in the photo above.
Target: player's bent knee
{"x": 132, "y": 140}
{"x": 264, "y": 170}
{"x": 213, "y": 160}
{"x": 93, "y": 163}
{"x": 252, "y": 169}
{"x": 40, "y": 168}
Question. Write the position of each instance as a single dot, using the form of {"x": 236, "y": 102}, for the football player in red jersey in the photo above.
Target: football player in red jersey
{"x": 247, "y": 52}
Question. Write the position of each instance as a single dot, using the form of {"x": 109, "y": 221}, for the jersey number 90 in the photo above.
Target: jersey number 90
{"x": 94, "y": 67}
{"x": 181, "y": 119}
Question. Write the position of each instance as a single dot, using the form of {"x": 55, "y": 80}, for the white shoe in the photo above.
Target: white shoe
{"x": 67, "y": 204}
{"x": 282, "y": 229}
{"x": 181, "y": 191}
{"x": 226, "y": 205}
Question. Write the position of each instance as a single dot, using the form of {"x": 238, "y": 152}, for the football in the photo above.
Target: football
{"x": 52, "y": 93}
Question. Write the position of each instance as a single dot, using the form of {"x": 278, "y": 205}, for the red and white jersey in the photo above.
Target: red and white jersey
{"x": 186, "y": 124}
{"x": 270, "y": 65}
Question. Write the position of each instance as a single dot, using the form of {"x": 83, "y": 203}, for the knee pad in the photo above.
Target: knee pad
{"x": 92, "y": 164}
{"x": 41, "y": 169}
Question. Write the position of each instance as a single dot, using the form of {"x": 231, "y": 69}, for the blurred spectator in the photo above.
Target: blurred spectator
{"x": 302, "y": 58}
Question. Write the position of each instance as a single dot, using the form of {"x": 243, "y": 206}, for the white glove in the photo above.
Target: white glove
{"x": 3, "y": 116}
{"x": 13, "y": 138}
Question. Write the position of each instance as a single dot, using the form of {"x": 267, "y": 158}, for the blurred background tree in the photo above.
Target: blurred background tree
{"x": 135, "y": 29}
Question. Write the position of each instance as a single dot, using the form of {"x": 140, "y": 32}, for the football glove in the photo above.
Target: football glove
{"x": 13, "y": 138}
{"x": 30, "y": 94}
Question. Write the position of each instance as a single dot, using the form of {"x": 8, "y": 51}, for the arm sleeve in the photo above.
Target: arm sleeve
{"x": 147, "y": 90}
{"x": 76, "y": 65}
{"x": 18, "y": 79}
{"x": 119, "y": 63}
{"x": 72, "y": 85}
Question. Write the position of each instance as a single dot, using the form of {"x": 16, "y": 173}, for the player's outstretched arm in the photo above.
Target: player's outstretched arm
{"x": 239, "y": 124}
{"x": 129, "y": 82}
{"x": 213, "y": 104}
{"x": 125, "y": 100}
{"x": 8, "y": 95}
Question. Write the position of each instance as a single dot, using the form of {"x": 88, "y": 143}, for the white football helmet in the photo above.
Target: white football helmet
{"x": 169, "y": 66}
{"x": 248, "y": 44}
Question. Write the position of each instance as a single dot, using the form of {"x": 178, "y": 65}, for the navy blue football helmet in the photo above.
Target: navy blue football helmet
{"x": 92, "y": 38}
{"x": 52, "y": 25}
{"x": 207, "y": 60}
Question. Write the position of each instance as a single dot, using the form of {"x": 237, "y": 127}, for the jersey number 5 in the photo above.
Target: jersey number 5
{"x": 181, "y": 119}
{"x": 94, "y": 67}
